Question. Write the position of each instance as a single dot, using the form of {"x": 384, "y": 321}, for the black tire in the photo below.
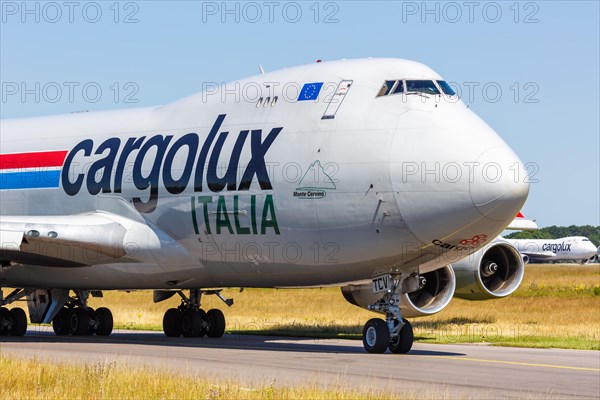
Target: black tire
{"x": 19, "y": 322}
{"x": 203, "y": 324}
{"x": 191, "y": 323}
{"x": 105, "y": 321}
{"x": 60, "y": 323}
{"x": 172, "y": 323}
{"x": 403, "y": 343}
{"x": 92, "y": 326}
{"x": 4, "y": 321}
{"x": 216, "y": 323}
{"x": 79, "y": 322}
{"x": 376, "y": 336}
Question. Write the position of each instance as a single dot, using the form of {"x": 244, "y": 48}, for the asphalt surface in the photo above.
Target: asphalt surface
{"x": 447, "y": 371}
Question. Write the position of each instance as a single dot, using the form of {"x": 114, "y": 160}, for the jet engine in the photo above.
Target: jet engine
{"x": 492, "y": 272}
{"x": 435, "y": 291}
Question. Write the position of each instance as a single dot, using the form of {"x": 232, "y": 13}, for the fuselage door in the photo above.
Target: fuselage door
{"x": 336, "y": 100}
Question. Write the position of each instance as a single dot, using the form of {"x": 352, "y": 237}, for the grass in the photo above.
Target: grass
{"x": 35, "y": 379}
{"x": 555, "y": 306}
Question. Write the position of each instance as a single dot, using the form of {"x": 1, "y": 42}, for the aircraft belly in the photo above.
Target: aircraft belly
{"x": 99, "y": 277}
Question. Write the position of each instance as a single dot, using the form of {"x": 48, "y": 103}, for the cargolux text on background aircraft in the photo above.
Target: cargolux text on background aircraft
{"x": 368, "y": 174}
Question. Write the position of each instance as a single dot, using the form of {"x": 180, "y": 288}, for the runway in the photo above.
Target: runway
{"x": 449, "y": 371}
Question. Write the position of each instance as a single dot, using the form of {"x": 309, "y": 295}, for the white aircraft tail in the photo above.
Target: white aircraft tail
{"x": 520, "y": 223}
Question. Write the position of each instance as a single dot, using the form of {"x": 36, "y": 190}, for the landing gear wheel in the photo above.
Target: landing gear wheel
{"x": 79, "y": 322}
{"x": 204, "y": 323}
{"x": 216, "y": 323}
{"x": 191, "y": 323}
{"x": 4, "y": 321}
{"x": 19, "y": 322}
{"x": 376, "y": 336}
{"x": 105, "y": 321}
{"x": 60, "y": 323}
{"x": 92, "y": 326}
{"x": 172, "y": 323}
{"x": 403, "y": 343}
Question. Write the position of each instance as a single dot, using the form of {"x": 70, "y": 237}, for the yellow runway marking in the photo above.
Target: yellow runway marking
{"x": 518, "y": 363}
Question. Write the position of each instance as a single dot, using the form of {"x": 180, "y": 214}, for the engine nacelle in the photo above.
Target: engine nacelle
{"x": 492, "y": 272}
{"x": 433, "y": 296}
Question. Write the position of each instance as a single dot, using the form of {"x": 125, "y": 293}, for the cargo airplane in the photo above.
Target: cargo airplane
{"x": 573, "y": 248}
{"x": 367, "y": 174}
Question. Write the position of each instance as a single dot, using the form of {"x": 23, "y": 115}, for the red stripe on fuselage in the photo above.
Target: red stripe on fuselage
{"x": 33, "y": 160}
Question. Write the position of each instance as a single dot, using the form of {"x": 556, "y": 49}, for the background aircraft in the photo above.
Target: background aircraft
{"x": 371, "y": 175}
{"x": 573, "y": 248}
{"x": 520, "y": 223}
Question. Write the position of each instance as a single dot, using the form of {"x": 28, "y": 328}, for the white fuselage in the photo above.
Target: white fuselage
{"x": 572, "y": 248}
{"x": 247, "y": 194}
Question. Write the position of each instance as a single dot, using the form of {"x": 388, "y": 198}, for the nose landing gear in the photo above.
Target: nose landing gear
{"x": 395, "y": 333}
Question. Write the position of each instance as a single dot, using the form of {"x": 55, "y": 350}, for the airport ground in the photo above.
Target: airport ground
{"x": 556, "y": 306}
{"x": 146, "y": 364}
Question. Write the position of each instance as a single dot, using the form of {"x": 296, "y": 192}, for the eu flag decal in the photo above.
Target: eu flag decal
{"x": 310, "y": 91}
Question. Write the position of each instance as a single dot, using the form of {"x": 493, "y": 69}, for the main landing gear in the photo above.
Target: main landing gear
{"x": 395, "y": 333}
{"x": 13, "y": 322}
{"x": 78, "y": 319}
{"x": 189, "y": 320}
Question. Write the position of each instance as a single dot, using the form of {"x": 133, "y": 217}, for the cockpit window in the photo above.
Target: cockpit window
{"x": 427, "y": 87}
{"x": 385, "y": 89}
{"x": 447, "y": 89}
{"x": 415, "y": 86}
{"x": 399, "y": 87}
{"x": 585, "y": 240}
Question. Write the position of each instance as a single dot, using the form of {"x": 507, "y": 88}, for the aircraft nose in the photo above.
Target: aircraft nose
{"x": 592, "y": 248}
{"x": 498, "y": 184}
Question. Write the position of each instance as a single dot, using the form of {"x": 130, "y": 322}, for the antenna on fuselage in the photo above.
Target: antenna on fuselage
{"x": 260, "y": 68}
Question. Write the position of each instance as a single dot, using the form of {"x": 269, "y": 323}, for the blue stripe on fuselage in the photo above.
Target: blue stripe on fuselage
{"x": 30, "y": 180}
